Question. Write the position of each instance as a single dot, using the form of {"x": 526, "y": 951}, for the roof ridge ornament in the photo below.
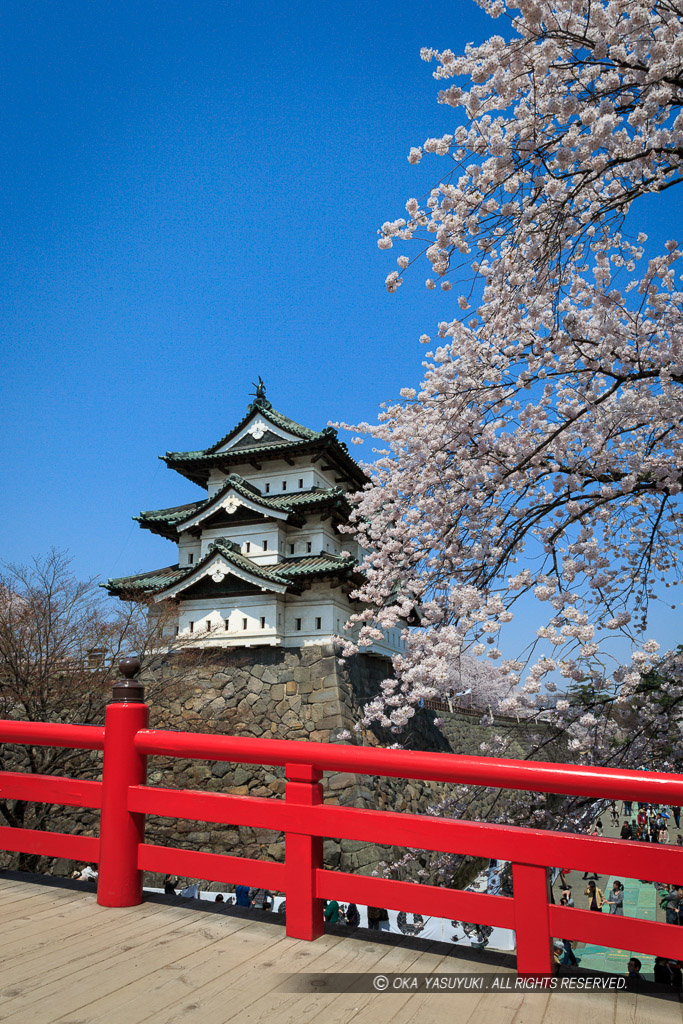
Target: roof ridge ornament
{"x": 260, "y": 400}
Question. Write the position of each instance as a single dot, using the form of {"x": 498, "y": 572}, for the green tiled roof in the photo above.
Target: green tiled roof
{"x": 284, "y": 502}
{"x": 167, "y": 520}
{"x": 263, "y": 406}
{"x": 209, "y": 457}
{"x": 147, "y": 582}
{"x": 286, "y": 573}
{"x": 170, "y": 516}
{"x": 195, "y": 465}
{"x": 310, "y": 565}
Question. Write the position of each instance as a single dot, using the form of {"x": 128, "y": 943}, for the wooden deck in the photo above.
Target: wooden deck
{"x": 64, "y": 959}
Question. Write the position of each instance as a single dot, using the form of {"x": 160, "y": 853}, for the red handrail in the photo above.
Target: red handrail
{"x": 535, "y": 776}
{"x": 126, "y": 801}
{"x": 52, "y": 734}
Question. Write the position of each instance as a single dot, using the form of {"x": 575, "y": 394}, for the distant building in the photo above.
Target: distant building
{"x": 261, "y": 561}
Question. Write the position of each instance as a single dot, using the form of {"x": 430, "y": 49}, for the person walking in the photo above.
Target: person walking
{"x": 242, "y": 897}
{"x": 614, "y": 813}
{"x": 376, "y": 917}
{"x": 260, "y": 899}
{"x": 596, "y": 897}
{"x": 671, "y": 902}
{"x": 352, "y": 915}
{"x": 626, "y": 831}
{"x": 331, "y": 912}
{"x": 633, "y": 975}
{"x": 568, "y": 955}
{"x": 662, "y": 971}
{"x": 562, "y": 875}
{"x": 591, "y": 831}
{"x": 567, "y": 897}
{"x": 615, "y": 899}
{"x": 88, "y": 874}
{"x": 676, "y": 811}
{"x": 627, "y": 808}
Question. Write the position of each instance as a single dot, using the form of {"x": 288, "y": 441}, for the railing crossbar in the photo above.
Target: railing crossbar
{"x": 498, "y": 773}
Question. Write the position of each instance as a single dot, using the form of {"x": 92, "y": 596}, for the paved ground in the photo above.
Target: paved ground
{"x": 65, "y": 960}
{"x": 640, "y": 900}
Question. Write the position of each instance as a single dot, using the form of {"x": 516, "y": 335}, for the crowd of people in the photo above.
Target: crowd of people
{"x": 262, "y": 899}
{"x": 645, "y": 823}
{"x": 349, "y": 914}
{"x": 649, "y": 824}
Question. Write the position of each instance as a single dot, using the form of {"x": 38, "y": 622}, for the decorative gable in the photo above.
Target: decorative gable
{"x": 255, "y": 439}
{"x": 259, "y": 431}
{"x": 221, "y": 563}
{"x": 228, "y": 500}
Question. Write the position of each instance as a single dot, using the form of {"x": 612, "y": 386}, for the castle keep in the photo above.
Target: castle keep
{"x": 261, "y": 561}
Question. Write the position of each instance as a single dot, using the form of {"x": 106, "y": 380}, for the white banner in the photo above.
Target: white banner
{"x": 439, "y": 929}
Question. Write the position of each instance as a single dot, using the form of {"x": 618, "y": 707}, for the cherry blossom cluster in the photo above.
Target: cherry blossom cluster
{"x": 539, "y": 458}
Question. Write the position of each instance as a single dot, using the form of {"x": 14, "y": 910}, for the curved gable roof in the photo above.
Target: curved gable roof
{"x": 263, "y": 406}
{"x": 291, "y": 507}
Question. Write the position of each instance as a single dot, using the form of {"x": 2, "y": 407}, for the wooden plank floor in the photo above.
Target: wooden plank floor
{"x": 64, "y": 960}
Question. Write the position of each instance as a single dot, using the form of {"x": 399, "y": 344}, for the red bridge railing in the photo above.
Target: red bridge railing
{"x": 125, "y": 800}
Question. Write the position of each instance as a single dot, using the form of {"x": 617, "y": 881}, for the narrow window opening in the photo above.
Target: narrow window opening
{"x": 244, "y": 623}
{"x": 308, "y": 546}
{"x": 177, "y": 630}
{"x": 301, "y": 482}
{"x": 191, "y": 627}
{"x": 208, "y": 626}
{"x": 247, "y": 548}
{"x": 263, "y": 622}
{"x": 190, "y": 558}
{"x": 318, "y": 623}
{"x": 267, "y": 488}
{"x": 291, "y": 549}
{"x": 284, "y": 485}
{"x": 265, "y": 545}
{"x": 297, "y": 624}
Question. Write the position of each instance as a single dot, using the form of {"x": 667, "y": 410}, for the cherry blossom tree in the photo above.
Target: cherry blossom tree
{"x": 537, "y": 465}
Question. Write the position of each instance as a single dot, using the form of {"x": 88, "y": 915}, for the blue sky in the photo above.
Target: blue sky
{"x": 190, "y": 194}
{"x": 190, "y": 198}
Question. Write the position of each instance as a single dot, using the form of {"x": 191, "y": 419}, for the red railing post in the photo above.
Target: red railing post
{"x": 121, "y": 831}
{"x": 303, "y": 857}
{"x": 531, "y": 891}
